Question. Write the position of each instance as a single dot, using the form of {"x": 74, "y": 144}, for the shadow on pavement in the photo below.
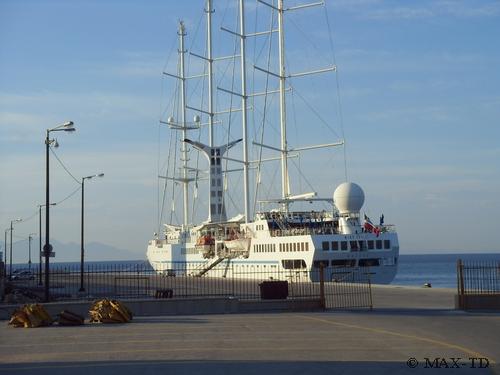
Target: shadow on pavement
{"x": 229, "y": 367}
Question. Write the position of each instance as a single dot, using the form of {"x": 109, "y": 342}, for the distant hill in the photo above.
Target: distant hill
{"x": 70, "y": 252}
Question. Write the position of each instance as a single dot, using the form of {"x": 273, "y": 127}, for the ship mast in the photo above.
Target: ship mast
{"x": 244, "y": 98}
{"x": 210, "y": 62}
{"x": 285, "y": 187}
{"x": 184, "y": 150}
{"x": 286, "y": 197}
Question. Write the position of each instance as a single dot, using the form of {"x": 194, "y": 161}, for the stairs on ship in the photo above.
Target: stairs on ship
{"x": 211, "y": 263}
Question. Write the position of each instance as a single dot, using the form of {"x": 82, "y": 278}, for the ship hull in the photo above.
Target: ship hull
{"x": 287, "y": 257}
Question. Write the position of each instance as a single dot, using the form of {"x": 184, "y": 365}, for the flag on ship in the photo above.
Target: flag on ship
{"x": 369, "y": 227}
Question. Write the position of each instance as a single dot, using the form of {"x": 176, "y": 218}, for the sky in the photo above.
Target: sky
{"x": 420, "y": 110}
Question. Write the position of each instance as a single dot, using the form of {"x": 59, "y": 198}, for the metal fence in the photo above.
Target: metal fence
{"x": 478, "y": 277}
{"x": 349, "y": 288}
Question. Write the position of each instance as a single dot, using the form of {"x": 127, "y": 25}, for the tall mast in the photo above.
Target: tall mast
{"x": 210, "y": 61}
{"x": 184, "y": 146}
{"x": 244, "y": 111}
{"x": 285, "y": 188}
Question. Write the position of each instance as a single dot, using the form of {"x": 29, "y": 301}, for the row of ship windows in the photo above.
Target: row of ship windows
{"x": 356, "y": 245}
{"x": 264, "y": 248}
{"x": 259, "y": 227}
{"x": 283, "y": 247}
{"x": 368, "y": 262}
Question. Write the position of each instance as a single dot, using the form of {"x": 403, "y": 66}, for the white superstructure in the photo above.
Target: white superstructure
{"x": 274, "y": 240}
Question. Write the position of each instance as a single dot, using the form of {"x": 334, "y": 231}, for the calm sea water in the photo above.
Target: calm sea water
{"x": 413, "y": 270}
{"x": 438, "y": 269}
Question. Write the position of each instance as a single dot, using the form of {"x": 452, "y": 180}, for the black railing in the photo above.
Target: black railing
{"x": 349, "y": 288}
{"x": 478, "y": 277}
{"x": 478, "y": 284}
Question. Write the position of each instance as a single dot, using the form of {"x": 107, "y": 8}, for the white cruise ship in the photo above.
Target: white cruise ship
{"x": 281, "y": 238}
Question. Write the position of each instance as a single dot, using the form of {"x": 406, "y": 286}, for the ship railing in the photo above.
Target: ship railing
{"x": 302, "y": 231}
{"x": 389, "y": 228}
{"x": 158, "y": 242}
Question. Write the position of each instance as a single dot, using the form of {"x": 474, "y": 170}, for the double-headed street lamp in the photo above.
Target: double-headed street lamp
{"x": 10, "y": 255}
{"x": 40, "y": 241}
{"x": 82, "y": 251}
{"x": 47, "y": 248}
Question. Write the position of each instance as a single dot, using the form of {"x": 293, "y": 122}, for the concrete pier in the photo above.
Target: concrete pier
{"x": 410, "y": 331}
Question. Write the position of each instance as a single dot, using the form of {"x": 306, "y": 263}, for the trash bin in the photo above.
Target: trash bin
{"x": 274, "y": 289}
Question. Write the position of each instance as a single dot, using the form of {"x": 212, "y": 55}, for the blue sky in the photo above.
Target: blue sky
{"x": 419, "y": 86}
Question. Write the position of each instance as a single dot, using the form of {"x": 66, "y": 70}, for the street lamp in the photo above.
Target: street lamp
{"x": 10, "y": 255}
{"x": 47, "y": 248}
{"x": 5, "y": 253}
{"x": 30, "y": 236}
{"x": 82, "y": 252}
{"x": 40, "y": 241}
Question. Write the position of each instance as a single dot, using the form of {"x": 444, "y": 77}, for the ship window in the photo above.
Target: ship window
{"x": 335, "y": 245}
{"x": 219, "y": 193}
{"x": 219, "y": 206}
{"x": 307, "y": 246}
{"x": 213, "y": 182}
{"x": 217, "y": 160}
{"x": 212, "y": 152}
{"x": 387, "y": 244}
{"x": 325, "y": 245}
{"x": 292, "y": 264}
{"x": 218, "y": 182}
{"x": 212, "y": 161}
{"x": 212, "y": 193}
{"x": 281, "y": 247}
{"x": 302, "y": 246}
{"x": 294, "y": 246}
{"x": 217, "y": 150}
{"x": 343, "y": 245}
{"x": 378, "y": 244}
{"x": 370, "y": 244}
{"x": 354, "y": 245}
{"x": 343, "y": 262}
{"x": 274, "y": 247}
{"x": 318, "y": 263}
{"x": 362, "y": 245}
{"x": 212, "y": 208}
{"x": 369, "y": 262}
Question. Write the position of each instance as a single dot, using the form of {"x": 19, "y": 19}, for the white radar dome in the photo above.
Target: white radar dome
{"x": 348, "y": 197}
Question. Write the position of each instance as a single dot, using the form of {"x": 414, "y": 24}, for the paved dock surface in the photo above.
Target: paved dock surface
{"x": 420, "y": 324}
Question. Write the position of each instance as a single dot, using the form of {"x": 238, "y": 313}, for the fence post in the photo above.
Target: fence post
{"x": 322, "y": 286}
{"x": 460, "y": 286}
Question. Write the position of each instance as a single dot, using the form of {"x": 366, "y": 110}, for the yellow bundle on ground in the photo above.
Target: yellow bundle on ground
{"x": 109, "y": 311}
{"x": 31, "y": 316}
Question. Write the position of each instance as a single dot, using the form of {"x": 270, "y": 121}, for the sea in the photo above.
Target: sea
{"x": 439, "y": 270}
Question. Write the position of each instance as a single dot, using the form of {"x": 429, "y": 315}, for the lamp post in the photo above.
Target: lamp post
{"x": 82, "y": 251}
{"x": 47, "y": 248}
{"x": 40, "y": 241}
{"x": 5, "y": 252}
{"x": 30, "y": 236}
{"x": 10, "y": 255}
